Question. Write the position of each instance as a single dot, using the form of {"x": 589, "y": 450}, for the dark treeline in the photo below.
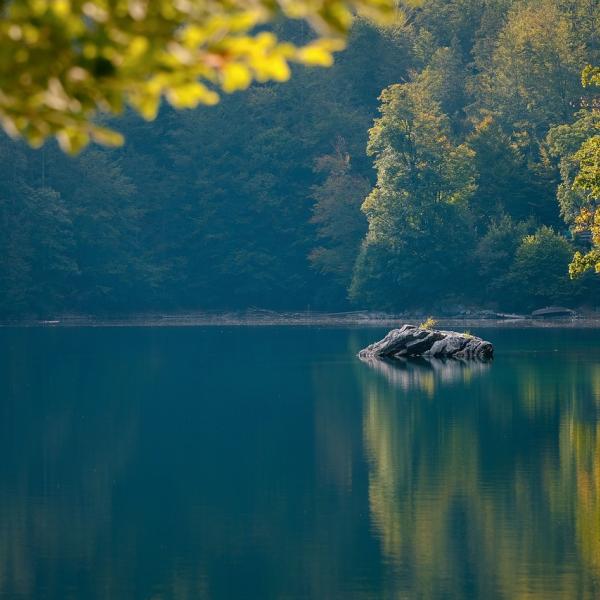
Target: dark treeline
{"x": 464, "y": 178}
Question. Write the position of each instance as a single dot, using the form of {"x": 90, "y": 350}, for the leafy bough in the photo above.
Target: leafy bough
{"x": 63, "y": 61}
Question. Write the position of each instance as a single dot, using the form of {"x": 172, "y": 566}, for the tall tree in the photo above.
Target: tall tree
{"x": 564, "y": 142}
{"x": 337, "y": 216}
{"x": 507, "y": 183}
{"x": 578, "y": 146}
{"x": 532, "y": 80}
{"x": 539, "y": 273}
{"x": 419, "y": 229}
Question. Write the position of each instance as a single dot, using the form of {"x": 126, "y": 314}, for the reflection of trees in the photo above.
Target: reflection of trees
{"x": 488, "y": 487}
{"x": 145, "y": 469}
{"x": 340, "y": 533}
{"x": 580, "y": 463}
{"x": 56, "y": 491}
{"x": 446, "y": 528}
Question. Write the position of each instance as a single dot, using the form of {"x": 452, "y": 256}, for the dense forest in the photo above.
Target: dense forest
{"x": 431, "y": 167}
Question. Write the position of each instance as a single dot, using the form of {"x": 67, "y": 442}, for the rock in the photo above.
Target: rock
{"x": 448, "y": 346}
{"x": 498, "y": 316}
{"x": 415, "y": 341}
{"x": 422, "y": 345}
{"x": 553, "y": 312}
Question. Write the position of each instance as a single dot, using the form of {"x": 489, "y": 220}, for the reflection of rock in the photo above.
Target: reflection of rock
{"x": 417, "y": 341}
{"x": 425, "y": 372}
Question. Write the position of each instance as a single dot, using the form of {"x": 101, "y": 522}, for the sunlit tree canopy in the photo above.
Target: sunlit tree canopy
{"x": 588, "y": 182}
{"x": 62, "y": 61}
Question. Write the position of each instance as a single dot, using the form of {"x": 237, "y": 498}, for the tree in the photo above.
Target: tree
{"x": 539, "y": 274}
{"x": 63, "y": 60}
{"x": 222, "y": 207}
{"x": 564, "y": 142}
{"x": 38, "y": 271}
{"x": 337, "y": 216}
{"x": 588, "y": 181}
{"x": 506, "y": 182}
{"x": 444, "y": 80}
{"x": 579, "y": 192}
{"x": 15, "y": 255}
{"x": 532, "y": 79}
{"x": 453, "y": 23}
{"x": 53, "y": 269}
{"x": 495, "y": 254}
{"x": 419, "y": 229}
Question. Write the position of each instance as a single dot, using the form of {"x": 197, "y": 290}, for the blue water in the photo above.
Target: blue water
{"x": 263, "y": 463}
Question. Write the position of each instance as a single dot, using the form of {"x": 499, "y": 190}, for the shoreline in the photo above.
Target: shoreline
{"x": 298, "y": 319}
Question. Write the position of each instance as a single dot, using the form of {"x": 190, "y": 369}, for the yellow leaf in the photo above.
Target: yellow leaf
{"x": 61, "y": 7}
{"x": 266, "y": 39}
{"x": 235, "y": 76}
{"x": 147, "y": 104}
{"x": 189, "y": 95}
{"x": 311, "y": 55}
{"x": 72, "y": 139}
{"x": 107, "y": 137}
{"x": 271, "y": 67}
{"x": 138, "y": 46}
{"x": 320, "y": 52}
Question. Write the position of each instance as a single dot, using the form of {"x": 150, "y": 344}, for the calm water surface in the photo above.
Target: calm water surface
{"x": 271, "y": 463}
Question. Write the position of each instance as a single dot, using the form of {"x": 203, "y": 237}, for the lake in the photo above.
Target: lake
{"x": 270, "y": 462}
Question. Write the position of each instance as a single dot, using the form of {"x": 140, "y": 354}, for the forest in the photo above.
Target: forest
{"x": 435, "y": 165}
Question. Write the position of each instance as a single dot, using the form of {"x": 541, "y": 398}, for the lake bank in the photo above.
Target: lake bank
{"x": 267, "y": 318}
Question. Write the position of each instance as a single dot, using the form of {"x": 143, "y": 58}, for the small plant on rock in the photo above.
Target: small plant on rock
{"x": 429, "y": 323}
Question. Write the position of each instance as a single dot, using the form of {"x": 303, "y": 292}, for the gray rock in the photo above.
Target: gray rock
{"x": 423, "y": 344}
{"x": 448, "y": 346}
{"x": 550, "y": 312}
{"x": 415, "y": 341}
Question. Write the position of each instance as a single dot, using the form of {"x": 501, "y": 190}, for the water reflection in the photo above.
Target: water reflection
{"x": 580, "y": 469}
{"x": 487, "y": 490}
{"x": 426, "y": 373}
{"x": 62, "y": 461}
{"x": 144, "y": 465}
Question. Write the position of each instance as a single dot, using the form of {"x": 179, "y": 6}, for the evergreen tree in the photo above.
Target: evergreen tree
{"x": 337, "y": 217}
{"x": 506, "y": 182}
